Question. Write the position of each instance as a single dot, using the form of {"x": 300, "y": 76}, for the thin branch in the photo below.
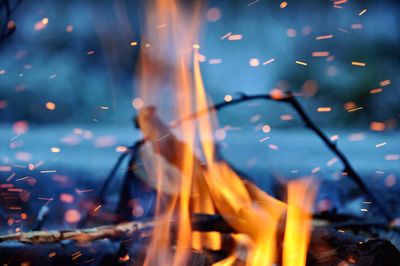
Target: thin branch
{"x": 289, "y": 98}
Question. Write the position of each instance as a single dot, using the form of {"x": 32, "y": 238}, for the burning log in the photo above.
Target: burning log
{"x": 328, "y": 246}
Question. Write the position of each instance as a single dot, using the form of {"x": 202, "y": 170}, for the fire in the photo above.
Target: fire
{"x": 170, "y": 78}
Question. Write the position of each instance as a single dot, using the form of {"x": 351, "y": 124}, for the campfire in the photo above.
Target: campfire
{"x": 186, "y": 172}
{"x": 204, "y": 211}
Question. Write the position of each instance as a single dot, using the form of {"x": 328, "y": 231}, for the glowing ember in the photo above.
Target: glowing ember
{"x": 254, "y": 62}
{"x": 361, "y": 64}
{"x": 228, "y": 98}
{"x": 72, "y": 216}
{"x": 50, "y": 106}
{"x": 55, "y": 149}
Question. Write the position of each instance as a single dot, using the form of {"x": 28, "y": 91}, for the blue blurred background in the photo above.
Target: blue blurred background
{"x": 84, "y": 58}
{"x": 67, "y": 86}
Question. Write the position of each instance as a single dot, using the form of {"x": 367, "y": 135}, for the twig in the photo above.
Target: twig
{"x": 90, "y": 234}
{"x": 200, "y": 222}
{"x": 289, "y": 98}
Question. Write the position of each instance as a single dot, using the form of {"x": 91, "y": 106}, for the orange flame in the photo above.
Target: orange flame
{"x": 170, "y": 78}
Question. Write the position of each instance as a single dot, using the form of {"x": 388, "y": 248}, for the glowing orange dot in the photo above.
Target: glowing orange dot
{"x": 228, "y": 98}
{"x": 266, "y": 128}
{"x": 121, "y": 148}
{"x": 50, "y": 106}
{"x": 55, "y": 149}
{"x": 137, "y": 103}
{"x": 67, "y": 198}
{"x": 213, "y": 14}
{"x": 349, "y": 105}
{"x": 72, "y": 216}
{"x": 220, "y": 134}
{"x": 45, "y": 21}
{"x": 20, "y": 127}
{"x": 277, "y": 94}
{"x": 24, "y": 216}
{"x": 377, "y": 126}
{"x": 124, "y": 258}
{"x": 69, "y": 28}
{"x": 283, "y": 4}
{"x": 134, "y": 43}
{"x": 291, "y": 32}
{"x": 254, "y": 62}
{"x": 390, "y": 180}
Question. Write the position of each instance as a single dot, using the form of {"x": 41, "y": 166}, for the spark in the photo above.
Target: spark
{"x": 380, "y": 144}
{"x": 79, "y": 191}
{"x": 254, "y": 62}
{"x": 324, "y": 37}
{"x": 235, "y": 37}
{"x": 134, "y": 43}
{"x": 76, "y": 255}
{"x": 228, "y": 98}
{"x": 283, "y": 4}
{"x": 50, "y": 106}
{"x": 361, "y": 64}
{"x": 11, "y": 177}
{"x": 286, "y": 117}
{"x": 137, "y": 103}
{"x": 15, "y": 137}
{"x": 273, "y": 147}
{"x": 324, "y": 109}
{"x": 320, "y": 54}
{"x": 315, "y": 170}
{"x": 121, "y": 149}
{"x": 357, "y": 26}
{"x": 266, "y": 128}
{"x": 254, "y": 2}
{"x": 339, "y": 2}
{"x": 362, "y": 12}
{"x": 263, "y": 139}
{"x": 268, "y": 61}
{"x": 334, "y": 137}
{"x": 384, "y": 83}
{"x": 69, "y": 28}
{"x": 55, "y": 149}
{"x": 332, "y": 161}
{"x": 22, "y": 178}
{"x": 392, "y": 157}
{"x": 377, "y": 126}
{"x": 374, "y": 91}
{"x": 226, "y": 35}
{"x": 215, "y": 61}
{"x": 355, "y": 109}
{"x": 301, "y": 63}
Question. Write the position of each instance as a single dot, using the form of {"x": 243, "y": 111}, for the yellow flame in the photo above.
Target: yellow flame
{"x": 168, "y": 80}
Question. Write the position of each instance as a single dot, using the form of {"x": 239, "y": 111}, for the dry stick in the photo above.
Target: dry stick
{"x": 89, "y": 234}
{"x": 200, "y": 222}
{"x": 291, "y": 99}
